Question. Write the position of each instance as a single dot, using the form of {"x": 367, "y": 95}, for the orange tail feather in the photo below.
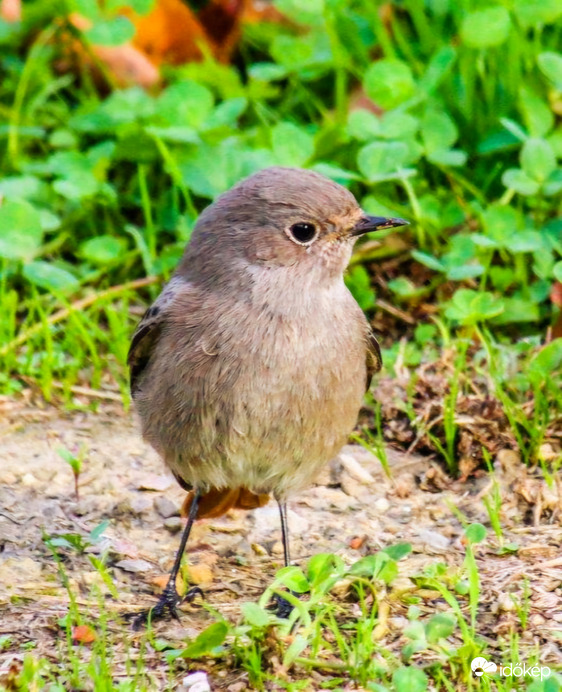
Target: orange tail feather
{"x": 215, "y": 502}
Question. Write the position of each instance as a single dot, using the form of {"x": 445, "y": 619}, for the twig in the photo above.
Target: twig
{"x": 10, "y": 518}
{"x": 316, "y": 663}
{"x": 395, "y": 312}
{"x": 86, "y": 391}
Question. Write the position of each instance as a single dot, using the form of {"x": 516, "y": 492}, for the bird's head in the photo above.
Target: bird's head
{"x": 282, "y": 218}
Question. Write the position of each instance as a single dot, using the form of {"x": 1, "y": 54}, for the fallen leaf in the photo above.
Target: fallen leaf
{"x": 169, "y": 33}
{"x": 357, "y": 542}
{"x": 83, "y": 634}
{"x": 127, "y": 64}
{"x": 10, "y": 679}
{"x": 160, "y": 581}
{"x": 200, "y": 574}
{"x": 556, "y": 298}
{"x": 172, "y": 33}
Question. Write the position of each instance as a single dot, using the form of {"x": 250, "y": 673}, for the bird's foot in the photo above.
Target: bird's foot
{"x": 281, "y": 606}
{"x": 167, "y": 605}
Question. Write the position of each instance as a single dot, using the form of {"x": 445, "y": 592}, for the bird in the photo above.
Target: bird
{"x": 249, "y": 369}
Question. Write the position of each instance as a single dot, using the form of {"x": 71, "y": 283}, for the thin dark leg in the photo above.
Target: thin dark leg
{"x": 284, "y": 608}
{"x": 284, "y": 531}
{"x": 185, "y": 536}
{"x": 170, "y": 597}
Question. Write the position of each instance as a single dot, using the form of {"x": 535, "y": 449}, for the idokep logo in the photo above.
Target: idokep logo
{"x": 480, "y": 666}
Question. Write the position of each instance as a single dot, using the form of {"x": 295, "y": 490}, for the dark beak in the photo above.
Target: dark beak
{"x": 375, "y": 223}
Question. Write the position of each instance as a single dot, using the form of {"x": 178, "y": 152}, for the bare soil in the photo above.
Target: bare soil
{"x": 353, "y": 510}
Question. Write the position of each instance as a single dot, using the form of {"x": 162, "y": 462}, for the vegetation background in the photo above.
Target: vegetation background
{"x": 446, "y": 113}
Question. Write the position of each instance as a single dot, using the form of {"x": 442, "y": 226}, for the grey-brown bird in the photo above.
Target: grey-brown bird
{"x": 249, "y": 369}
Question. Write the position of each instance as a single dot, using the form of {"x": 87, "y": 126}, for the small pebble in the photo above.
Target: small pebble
{"x": 259, "y": 549}
{"x": 152, "y": 481}
{"x": 506, "y": 602}
{"x": 382, "y": 505}
{"x": 134, "y": 565}
{"x": 547, "y": 452}
{"x": 434, "y": 541}
{"x": 196, "y": 682}
{"x": 173, "y": 524}
{"x": 237, "y": 687}
{"x": 166, "y": 508}
{"x": 357, "y": 542}
{"x": 354, "y": 469}
{"x": 140, "y": 504}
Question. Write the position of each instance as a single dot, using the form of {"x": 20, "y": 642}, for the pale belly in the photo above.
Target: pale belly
{"x": 279, "y": 443}
{"x": 288, "y": 417}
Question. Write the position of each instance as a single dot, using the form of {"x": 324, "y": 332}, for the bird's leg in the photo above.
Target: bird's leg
{"x": 284, "y": 531}
{"x": 170, "y": 597}
{"x": 284, "y": 608}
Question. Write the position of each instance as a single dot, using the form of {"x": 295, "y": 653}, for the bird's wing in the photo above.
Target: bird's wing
{"x": 374, "y": 358}
{"x": 148, "y": 331}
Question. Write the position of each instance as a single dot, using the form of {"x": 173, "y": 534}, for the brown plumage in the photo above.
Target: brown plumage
{"x": 249, "y": 370}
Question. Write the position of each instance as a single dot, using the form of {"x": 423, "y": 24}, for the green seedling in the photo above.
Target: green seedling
{"x": 75, "y": 461}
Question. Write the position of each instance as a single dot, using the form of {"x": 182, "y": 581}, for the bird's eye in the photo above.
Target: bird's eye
{"x": 302, "y": 233}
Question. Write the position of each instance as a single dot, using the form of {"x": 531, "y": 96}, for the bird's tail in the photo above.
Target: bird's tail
{"x": 216, "y": 502}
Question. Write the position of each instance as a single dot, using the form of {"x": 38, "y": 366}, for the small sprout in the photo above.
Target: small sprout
{"x": 75, "y": 462}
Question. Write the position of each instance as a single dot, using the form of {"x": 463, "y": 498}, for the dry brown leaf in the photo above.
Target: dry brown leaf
{"x": 173, "y": 34}
{"x": 160, "y": 581}
{"x": 169, "y": 33}
{"x": 434, "y": 480}
{"x": 83, "y": 634}
{"x": 357, "y": 542}
{"x": 10, "y": 679}
{"x": 200, "y": 574}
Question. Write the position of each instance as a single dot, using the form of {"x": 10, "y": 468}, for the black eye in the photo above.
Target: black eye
{"x": 303, "y": 232}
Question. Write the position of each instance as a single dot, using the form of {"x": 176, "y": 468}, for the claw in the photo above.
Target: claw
{"x": 167, "y": 605}
{"x": 282, "y": 607}
{"x": 192, "y": 593}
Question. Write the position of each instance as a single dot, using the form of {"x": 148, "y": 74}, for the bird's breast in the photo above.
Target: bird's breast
{"x": 301, "y": 379}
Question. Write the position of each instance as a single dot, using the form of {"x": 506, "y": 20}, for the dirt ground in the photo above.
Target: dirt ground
{"x": 353, "y": 510}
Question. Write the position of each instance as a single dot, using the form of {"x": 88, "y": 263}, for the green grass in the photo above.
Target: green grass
{"x": 339, "y": 629}
{"x": 100, "y": 191}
